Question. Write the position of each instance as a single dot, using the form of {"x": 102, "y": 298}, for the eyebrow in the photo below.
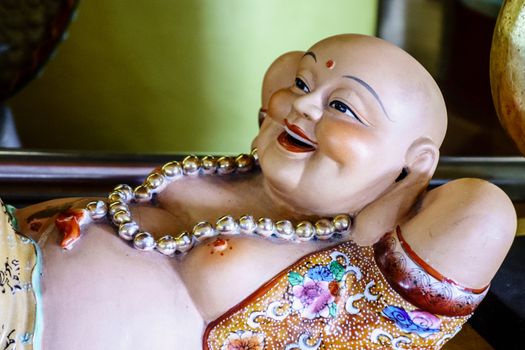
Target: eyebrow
{"x": 371, "y": 90}
{"x": 310, "y": 53}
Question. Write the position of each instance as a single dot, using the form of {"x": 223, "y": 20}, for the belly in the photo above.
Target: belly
{"x": 105, "y": 295}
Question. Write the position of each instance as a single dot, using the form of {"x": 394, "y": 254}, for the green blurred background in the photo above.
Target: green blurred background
{"x": 171, "y": 76}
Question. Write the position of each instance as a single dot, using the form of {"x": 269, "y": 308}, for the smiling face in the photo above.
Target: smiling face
{"x": 337, "y": 138}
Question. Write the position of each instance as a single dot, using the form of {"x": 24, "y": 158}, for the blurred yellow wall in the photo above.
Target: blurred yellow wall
{"x": 171, "y": 76}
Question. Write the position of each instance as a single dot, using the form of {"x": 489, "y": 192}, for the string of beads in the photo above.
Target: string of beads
{"x": 117, "y": 209}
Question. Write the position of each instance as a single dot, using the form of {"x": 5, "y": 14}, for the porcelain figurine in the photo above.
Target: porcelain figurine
{"x": 333, "y": 244}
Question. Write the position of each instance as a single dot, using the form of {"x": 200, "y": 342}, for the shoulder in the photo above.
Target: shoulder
{"x": 464, "y": 230}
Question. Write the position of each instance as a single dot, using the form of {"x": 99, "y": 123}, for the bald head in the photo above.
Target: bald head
{"x": 407, "y": 93}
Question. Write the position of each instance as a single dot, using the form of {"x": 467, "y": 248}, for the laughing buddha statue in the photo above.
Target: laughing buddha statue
{"x": 323, "y": 237}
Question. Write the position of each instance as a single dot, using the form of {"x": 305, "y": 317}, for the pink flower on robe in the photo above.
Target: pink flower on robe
{"x": 312, "y": 298}
{"x": 244, "y": 340}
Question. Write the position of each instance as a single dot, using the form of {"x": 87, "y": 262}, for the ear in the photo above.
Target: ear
{"x": 280, "y": 75}
{"x": 421, "y": 161}
{"x": 394, "y": 206}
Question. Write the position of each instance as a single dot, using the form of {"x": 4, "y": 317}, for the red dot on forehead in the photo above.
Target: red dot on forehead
{"x": 330, "y": 64}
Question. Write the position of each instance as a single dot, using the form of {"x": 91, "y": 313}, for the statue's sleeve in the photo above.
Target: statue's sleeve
{"x": 20, "y": 307}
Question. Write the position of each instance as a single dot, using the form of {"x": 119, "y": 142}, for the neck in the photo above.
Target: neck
{"x": 195, "y": 199}
{"x": 279, "y": 205}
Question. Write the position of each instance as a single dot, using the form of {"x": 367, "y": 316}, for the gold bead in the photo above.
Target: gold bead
{"x": 121, "y": 217}
{"x": 142, "y": 193}
{"x": 144, "y": 241}
{"x": 154, "y": 181}
{"x": 128, "y": 230}
{"x": 305, "y": 231}
{"x": 244, "y": 163}
{"x": 324, "y": 229}
{"x": 226, "y": 165}
{"x": 203, "y": 230}
{"x": 126, "y": 190}
{"x": 184, "y": 242}
{"x": 117, "y": 206}
{"x": 227, "y": 225}
{"x": 116, "y": 196}
{"x": 247, "y": 224}
{"x": 342, "y": 222}
{"x": 265, "y": 227}
{"x": 284, "y": 229}
{"x": 191, "y": 165}
{"x": 209, "y": 165}
{"x": 172, "y": 170}
{"x": 97, "y": 209}
{"x": 166, "y": 245}
{"x": 254, "y": 155}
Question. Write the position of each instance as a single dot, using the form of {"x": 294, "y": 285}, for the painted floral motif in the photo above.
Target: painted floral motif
{"x": 244, "y": 340}
{"x": 418, "y": 321}
{"x": 320, "y": 273}
{"x": 10, "y": 276}
{"x": 315, "y": 294}
{"x": 312, "y": 298}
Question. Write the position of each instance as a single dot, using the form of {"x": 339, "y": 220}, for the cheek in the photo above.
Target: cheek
{"x": 268, "y": 133}
{"x": 281, "y": 173}
{"x": 345, "y": 141}
{"x": 280, "y": 104}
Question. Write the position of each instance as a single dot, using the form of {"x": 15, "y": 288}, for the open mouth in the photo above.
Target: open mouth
{"x": 293, "y": 139}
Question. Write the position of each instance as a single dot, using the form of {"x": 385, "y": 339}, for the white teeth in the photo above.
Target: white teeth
{"x": 295, "y": 136}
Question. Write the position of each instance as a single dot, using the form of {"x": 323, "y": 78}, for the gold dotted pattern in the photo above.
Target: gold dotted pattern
{"x": 345, "y": 331}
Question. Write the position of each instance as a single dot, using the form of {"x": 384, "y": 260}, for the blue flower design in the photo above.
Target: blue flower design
{"x": 320, "y": 273}
{"x": 419, "y": 322}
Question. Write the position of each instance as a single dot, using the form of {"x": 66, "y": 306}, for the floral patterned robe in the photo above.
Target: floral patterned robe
{"x": 340, "y": 298}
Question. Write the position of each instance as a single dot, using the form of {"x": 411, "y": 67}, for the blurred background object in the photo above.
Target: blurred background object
{"x": 8, "y": 134}
{"x": 184, "y": 76}
{"x": 452, "y": 39}
{"x": 29, "y": 33}
{"x": 171, "y": 76}
{"x": 507, "y": 70}
{"x": 30, "y": 30}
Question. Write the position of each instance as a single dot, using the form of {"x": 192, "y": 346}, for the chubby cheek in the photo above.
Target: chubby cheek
{"x": 343, "y": 141}
{"x": 268, "y": 133}
{"x": 280, "y": 105}
{"x": 280, "y": 172}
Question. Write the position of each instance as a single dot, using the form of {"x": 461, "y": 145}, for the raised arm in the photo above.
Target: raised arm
{"x": 463, "y": 230}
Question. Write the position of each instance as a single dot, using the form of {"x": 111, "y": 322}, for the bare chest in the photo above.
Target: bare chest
{"x": 221, "y": 273}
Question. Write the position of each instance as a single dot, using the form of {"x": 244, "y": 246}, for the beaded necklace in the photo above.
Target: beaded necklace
{"x": 117, "y": 209}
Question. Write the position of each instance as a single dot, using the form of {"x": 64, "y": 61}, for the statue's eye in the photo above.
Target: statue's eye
{"x": 343, "y": 108}
{"x": 301, "y": 85}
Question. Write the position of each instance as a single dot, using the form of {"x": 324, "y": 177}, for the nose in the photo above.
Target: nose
{"x": 310, "y": 106}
